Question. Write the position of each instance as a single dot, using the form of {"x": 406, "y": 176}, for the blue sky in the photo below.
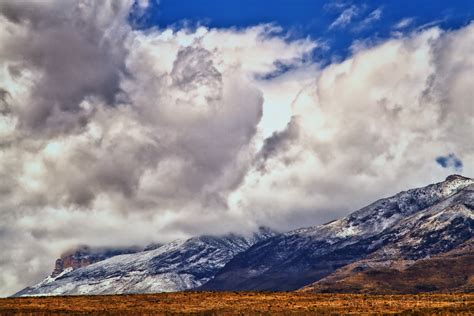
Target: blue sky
{"x": 336, "y": 24}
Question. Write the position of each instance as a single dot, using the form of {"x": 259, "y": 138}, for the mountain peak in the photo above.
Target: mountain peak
{"x": 455, "y": 177}
{"x": 454, "y": 183}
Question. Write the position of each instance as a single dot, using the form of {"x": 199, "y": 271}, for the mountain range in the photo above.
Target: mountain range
{"x": 420, "y": 240}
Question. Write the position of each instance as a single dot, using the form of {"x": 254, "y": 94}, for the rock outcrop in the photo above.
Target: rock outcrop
{"x": 83, "y": 256}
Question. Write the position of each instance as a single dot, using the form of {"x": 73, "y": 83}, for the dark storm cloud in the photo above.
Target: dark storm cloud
{"x": 65, "y": 43}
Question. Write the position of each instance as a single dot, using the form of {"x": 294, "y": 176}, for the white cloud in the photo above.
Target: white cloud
{"x": 369, "y": 20}
{"x": 345, "y": 17}
{"x": 403, "y": 23}
{"x": 369, "y": 127}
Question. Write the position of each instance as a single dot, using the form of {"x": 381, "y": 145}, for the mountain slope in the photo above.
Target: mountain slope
{"x": 410, "y": 225}
{"x": 386, "y": 247}
{"x": 177, "y": 266}
{"x": 452, "y": 271}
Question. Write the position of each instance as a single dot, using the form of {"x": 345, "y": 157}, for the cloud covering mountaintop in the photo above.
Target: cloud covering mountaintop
{"x": 111, "y": 135}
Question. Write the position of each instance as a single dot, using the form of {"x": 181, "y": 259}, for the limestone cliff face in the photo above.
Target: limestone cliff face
{"x": 84, "y": 256}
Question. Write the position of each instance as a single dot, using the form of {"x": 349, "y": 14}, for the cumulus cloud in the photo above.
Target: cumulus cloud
{"x": 102, "y": 125}
{"x": 85, "y": 40}
{"x": 168, "y": 133}
{"x": 368, "y": 127}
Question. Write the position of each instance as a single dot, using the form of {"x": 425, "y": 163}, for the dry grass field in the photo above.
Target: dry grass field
{"x": 210, "y": 303}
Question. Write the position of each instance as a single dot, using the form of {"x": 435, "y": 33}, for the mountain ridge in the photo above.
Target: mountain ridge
{"x": 391, "y": 236}
{"x": 176, "y": 266}
{"x": 294, "y": 259}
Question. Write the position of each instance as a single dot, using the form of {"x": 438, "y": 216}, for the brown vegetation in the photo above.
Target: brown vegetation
{"x": 230, "y": 303}
{"x": 449, "y": 272}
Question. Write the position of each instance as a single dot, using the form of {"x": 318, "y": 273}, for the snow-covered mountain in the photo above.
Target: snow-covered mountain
{"x": 411, "y": 225}
{"x": 177, "y": 266}
{"x": 397, "y": 233}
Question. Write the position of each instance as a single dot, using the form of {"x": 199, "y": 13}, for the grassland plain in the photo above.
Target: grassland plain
{"x": 241, "y": 303}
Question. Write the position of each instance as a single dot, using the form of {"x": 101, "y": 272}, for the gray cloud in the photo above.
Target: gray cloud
{"x": 72, "y": 56}
{"x": 4, "y": 103}
{"x": 278, "y": 143}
